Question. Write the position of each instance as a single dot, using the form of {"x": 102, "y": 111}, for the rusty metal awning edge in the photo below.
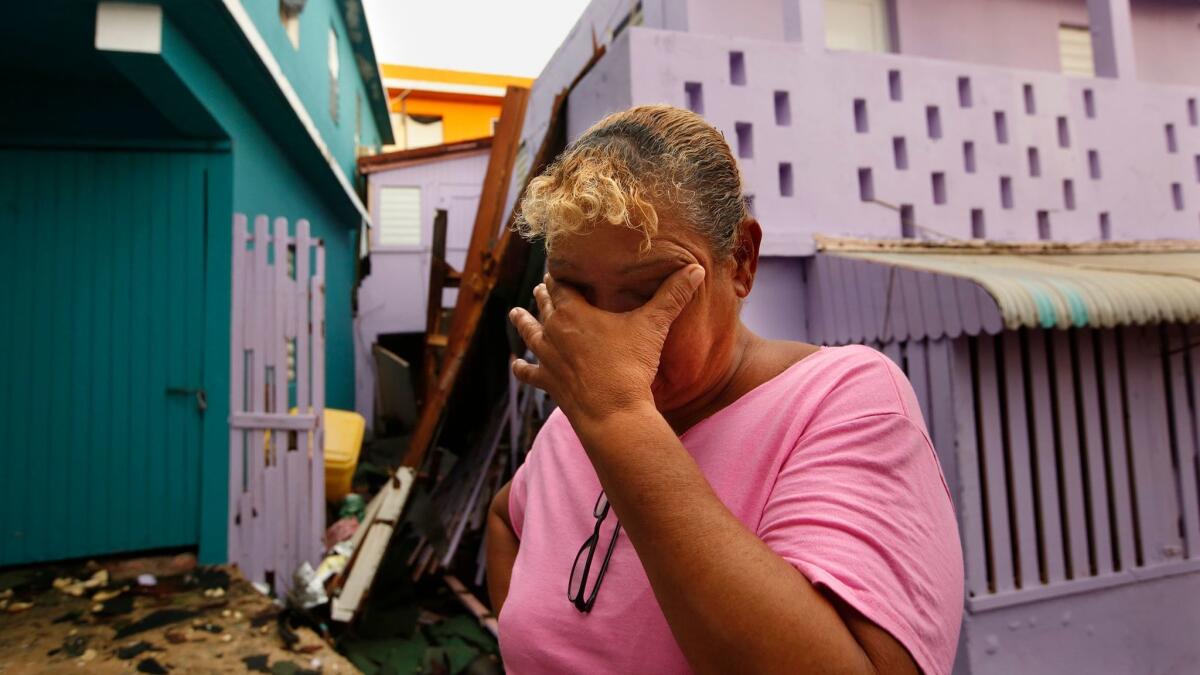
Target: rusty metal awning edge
{"x": 887, "y": 290}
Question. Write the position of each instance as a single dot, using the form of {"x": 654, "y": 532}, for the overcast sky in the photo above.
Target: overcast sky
{"x": 508, "y": 37}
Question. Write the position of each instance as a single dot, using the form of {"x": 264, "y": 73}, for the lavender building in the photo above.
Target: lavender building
{"x": 1004, "y": 197}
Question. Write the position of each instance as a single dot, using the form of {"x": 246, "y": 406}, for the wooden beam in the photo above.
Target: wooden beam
{"x": 490, "y": 260}
{"x": 437, "y": 274}
{"x": 468, "y": 599}
{"x": 391, "y": 160}
{"x": 478, "y": 275}
{"x": 433, "y": 308}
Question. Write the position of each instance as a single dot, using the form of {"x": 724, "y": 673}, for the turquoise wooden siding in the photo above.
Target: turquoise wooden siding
{"x": 307, "y": 69}
{"x": 103, "y": 270}
{"x": 97, "y": 319}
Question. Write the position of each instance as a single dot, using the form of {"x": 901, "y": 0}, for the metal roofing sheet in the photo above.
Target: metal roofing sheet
{"x": 1053, "y": 287}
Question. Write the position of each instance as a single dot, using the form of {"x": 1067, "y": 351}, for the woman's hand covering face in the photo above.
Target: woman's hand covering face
{"x": 592, "y": 362}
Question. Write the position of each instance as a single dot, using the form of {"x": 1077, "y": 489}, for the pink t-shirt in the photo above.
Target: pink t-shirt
{"x": 829, "y": 463}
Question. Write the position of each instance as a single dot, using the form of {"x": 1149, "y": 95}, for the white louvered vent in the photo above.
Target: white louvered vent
{"x": 1075, "y": 51}
{"x": 399, "y": 216}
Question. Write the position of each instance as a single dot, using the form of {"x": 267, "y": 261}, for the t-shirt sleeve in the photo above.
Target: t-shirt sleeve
{"x": 517, "y": 492}
{"x": 860, "y": 508}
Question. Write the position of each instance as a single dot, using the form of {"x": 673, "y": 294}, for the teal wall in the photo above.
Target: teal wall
{"x": 308, "y": 70}
{"x": 204, "y": 101}
{"x": 263, "y": 179}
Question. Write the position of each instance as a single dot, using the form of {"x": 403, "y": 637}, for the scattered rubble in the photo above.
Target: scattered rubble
{"x": 148, "y": 628}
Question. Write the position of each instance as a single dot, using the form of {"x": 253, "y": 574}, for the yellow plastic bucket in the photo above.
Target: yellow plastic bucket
{"x": 343, "y": 442}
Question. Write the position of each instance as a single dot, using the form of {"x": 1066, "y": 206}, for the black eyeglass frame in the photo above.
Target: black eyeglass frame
{"x": 600, "y": 511}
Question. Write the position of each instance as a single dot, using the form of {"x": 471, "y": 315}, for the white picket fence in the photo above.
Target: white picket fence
{"x": 277, "y": 363}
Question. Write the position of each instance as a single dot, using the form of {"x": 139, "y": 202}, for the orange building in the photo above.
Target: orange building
{"x": 431, "y": 106}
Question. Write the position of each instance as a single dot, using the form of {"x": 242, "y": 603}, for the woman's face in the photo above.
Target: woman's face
{"x": 606, "y": 266}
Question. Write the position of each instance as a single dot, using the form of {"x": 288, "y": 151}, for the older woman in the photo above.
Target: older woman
{"x": 705, "y": 499}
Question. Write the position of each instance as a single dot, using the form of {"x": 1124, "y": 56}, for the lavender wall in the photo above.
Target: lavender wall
{"x": 774, "y": 309}
{"x": 1024, "y": 33}
{"x": 1074, "y": 634}
{"x": 605, "y": 89}
{"x": 951, "y": 140}
{"x": 393, "y": 297}
{"x": 1166, "y": 37}
{"x": 758, "y": 19}
{"x": 598, "y": 23}
{"x": 1013, "y": 33}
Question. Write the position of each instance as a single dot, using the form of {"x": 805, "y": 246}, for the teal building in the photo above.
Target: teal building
{"x": 130, "y": 134}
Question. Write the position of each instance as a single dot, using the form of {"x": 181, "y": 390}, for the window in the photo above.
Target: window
{"x": 289, "y": 16}
{"x": 422, "y": 131}
{"x": 857, "y": 25}
{"x": 1075, "y": 51}
{"x": 334, "y": 67}
{"x": 399, "y": 216}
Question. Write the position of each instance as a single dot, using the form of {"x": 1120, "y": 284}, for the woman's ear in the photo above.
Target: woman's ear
{"x": 745, "y": 256}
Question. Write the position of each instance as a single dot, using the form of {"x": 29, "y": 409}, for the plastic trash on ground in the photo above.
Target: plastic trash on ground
{"x": 308, "y": 585}
{"x": 353, "y": 505}
{"x": 340, "y": 531}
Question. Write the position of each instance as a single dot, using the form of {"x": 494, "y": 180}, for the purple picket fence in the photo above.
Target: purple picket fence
{"x": 277, "y": 400}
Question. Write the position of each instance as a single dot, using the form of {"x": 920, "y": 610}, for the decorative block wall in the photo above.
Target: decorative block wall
{"x": 883, "y": 145}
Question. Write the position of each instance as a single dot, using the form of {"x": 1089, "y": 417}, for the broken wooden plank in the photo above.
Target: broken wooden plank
{"x": 491, "y": 441}
{"x": 472, "y": 603}
{"x": 370, "y": 547}
{"x": 395, "y": 395}
{"x": 495, "y": 256}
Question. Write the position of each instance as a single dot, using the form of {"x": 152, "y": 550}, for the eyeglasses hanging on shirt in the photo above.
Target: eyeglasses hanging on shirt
{"x": 578, "y": 592}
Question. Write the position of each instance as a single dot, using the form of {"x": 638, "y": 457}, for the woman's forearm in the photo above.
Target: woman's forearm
{"x": 502, "y": 545}
{"x": 731, "y": 602}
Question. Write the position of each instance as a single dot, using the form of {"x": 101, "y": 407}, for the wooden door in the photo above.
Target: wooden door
{"x": 102, "y": 262}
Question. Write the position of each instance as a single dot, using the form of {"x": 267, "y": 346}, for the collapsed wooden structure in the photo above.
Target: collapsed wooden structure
{"x": 489, "y": 418}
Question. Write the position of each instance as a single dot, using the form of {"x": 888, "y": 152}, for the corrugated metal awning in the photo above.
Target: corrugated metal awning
{"x": 917, "y": 289}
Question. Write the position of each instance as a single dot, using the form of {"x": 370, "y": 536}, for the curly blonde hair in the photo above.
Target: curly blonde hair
{"x": 627, "y": 167}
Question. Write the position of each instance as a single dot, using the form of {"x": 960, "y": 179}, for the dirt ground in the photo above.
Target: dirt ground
{"x": 216, "y": 621}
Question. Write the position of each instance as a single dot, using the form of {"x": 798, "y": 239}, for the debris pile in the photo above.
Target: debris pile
{"x": 464, "y": 426}
{"x": 151, "y": 615}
